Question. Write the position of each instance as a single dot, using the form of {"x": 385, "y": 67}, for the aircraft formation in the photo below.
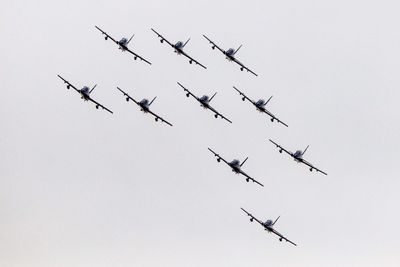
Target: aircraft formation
{"x": 204, "y": 101}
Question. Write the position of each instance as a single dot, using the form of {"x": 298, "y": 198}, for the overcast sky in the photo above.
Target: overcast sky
{"x": 82, "y": 187}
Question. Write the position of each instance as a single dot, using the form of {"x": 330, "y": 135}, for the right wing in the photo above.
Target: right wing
{"x": 218, "y": 156}
{"x": 127, "y": 96}
{"x": 243, "y": 66}
{"x": 242, "y": 94}
{"x": 219, "y": 114}
{"x": 68, "y": 84}
{"x": 312, "y": 167}
{"x": 162, "y": 37}
{"x": 281, "y": 148}
{"x": 187, "y": 90}
{"x": 252, "y": 217}
{"x": 136, "y": 55}
{"x": 99, "y": 105}
{"x": 158, "y": 117}
{"x": 282, "y": 237}
{"x": 107, "y": 35}
{"x": 250, "y": 178}
{"x": 192, "y": 59}
{"x": 215, "y": 45}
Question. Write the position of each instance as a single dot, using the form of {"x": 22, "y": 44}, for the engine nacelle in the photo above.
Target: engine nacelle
{"x": 241, "y": 68}
{"x": 191, "y": 61}
{"x": 68, "y": 86}
{"x": 247, "y": 179}
{"x": 127, "y": 99}
{"x": 218, "y": 159}
{"x": 213, "y": 47}
{"x": 243, "y": 98}
{"x": 251, "y": 219}
{"x": 106, "y": 38}
{"x": 280, "y": 239}
{"x": 272, "y": 119}
{"x": 97, "y": 106}
{"x": 310, "y": 169}
{"x": 161, "y": 41}
{"x": 156, "y": 119}
{"x": 280, "y": 151}
{"x": 216, "y": 116}
{"x": 135, "y": 57}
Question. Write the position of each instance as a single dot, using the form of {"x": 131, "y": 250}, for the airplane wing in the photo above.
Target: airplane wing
{"x": 252, "y": 217}
{"x": 128, "y": 96}
{"x": 217, "y": 113}
{"x": 218, "y": 156}
{"x": 244, "y": 67}
{"x": 215, "y": 45}
{"x": 281, "y": 148}
{"x": 136, "y": 55}
{"x": 312, "y": 167}
{"x": 275, "y": 118}
{"x": 192, "y": 59}
{"x": 187, "y": 90}
{"x": 68, "y": 84}
{"x": 107, "y": 35}
{"x": 250, "y": 178}
{"x": 242, "y": 94}
{"x": 99, "y": 105}
{"x": 162, "y": 37}
{"x": 282, "y": 237}
{"x": 159, "y": 118}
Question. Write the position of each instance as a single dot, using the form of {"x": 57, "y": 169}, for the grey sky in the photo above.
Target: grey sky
{"x": 81, "y": 187}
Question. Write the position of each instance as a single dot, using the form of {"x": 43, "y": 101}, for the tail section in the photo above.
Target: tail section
{"x": 305, "y": 150}
{"x": 186, "y": 43}
{"x": 92, "y": 89}
{"x": 244, "y": 161}
{"x": 268, "y": 100}
{"x": 237, "y": 50}
{"x": 212, "y": 97}
{"x": 130, "y": 39}
{"x": 152, "y": 100}
{"x": 276, "y": 220}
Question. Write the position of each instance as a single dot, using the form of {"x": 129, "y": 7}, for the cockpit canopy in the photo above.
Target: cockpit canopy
{"x": 230, "y": 51}
{"x": 260, "y": 102}
{"x": 144, "y": 101}
{"x": 204, "y": 98}
{"x": 235, "y": 162}
{"x": 268, "y": 223}
{"x": 298, "y": 153}
{"x": 123, "y": 41}
{"x": 179, "y": 44}
{"x": 85, "y": 89}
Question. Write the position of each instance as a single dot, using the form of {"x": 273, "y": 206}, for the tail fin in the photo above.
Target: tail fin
{"x": 305, "y": 150}
{"x": 92, "y": 89}
{"x": 268, "y": 100}
{"x": 152, "y": 100}
{"x": 130, "y": 39}
{"x": 276, "y": 220}
{"x": 237, "y": 49}
{"x": 212, "y": 97}
{"x": 186, "y": 43}
{"x": 244, "y": 161}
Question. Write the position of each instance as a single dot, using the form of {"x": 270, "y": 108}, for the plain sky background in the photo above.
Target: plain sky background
{"x": 82, "y": 187}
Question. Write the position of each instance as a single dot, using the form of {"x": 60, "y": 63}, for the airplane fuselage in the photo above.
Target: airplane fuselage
{"x": 204, "y": 100}
{"x": 144, "y": 105}
{"x": 298, "y": 156}
{"x": 235, "y": 165}
{"x": 123, "y": 44}
{"x": 85, "y": 94}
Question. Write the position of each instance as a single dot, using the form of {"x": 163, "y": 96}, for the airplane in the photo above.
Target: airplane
{"x": 205, "y": 102}
{"x": 260, "y": 105}
{"x": 123, "y": 45}
{"x": 269, "y": 226}
{"x": 144, "y": 106}
{"x": 179, "y": 48}
{"x": 235, "y": 165}
{"x": 298, "y": 157}
{"x": 230, "y": 55}
{"x": 85, "y": 93}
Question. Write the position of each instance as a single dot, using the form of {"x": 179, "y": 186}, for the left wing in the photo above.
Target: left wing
{"x": 158, "y": 117}
{"x": 281, "y": 148}
{"x": 250, "y": 178}
{"x": 107, "y": 35}
{"x": 187, "y": 90}
{"x": 218, "y": 156}
{"x": 243, "y": 66}
{"x": 215, "y": 45}
{"x": 282, "y": 237}
{"x": 312, "y": 167}
{"x": 99, "y": 105}
{"x": 252, "y": 217}
{"x": 218, "y": 114}
{"x": 137, "y": 56}
{"x": 162, "y": 37}
{"x": 68, "y": 84}
{"x": 242, "y": 94}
